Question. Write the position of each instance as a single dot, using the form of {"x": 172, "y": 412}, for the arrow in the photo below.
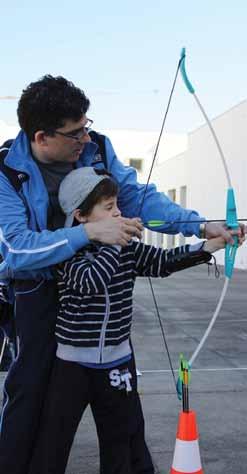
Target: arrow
{"x": 154, "y": 223}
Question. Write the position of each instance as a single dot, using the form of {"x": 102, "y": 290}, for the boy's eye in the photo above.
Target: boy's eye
{"x": 109, "y": 206}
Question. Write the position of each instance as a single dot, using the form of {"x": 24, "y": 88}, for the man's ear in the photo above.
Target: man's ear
{"x": 40, "y": 138}
{"x": 79, "y": 217}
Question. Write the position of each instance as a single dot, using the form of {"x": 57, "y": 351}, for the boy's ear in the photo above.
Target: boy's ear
{"x": 79, "y": 217}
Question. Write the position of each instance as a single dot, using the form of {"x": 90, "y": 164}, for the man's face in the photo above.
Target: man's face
{"x": 67, "y": 143}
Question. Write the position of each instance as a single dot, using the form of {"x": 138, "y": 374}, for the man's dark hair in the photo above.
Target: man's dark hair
{"x": 47, "y": 103}
{"x": 105, "y": 189}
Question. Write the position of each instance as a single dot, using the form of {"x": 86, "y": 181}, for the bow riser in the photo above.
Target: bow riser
{"x": 232, "y": 223}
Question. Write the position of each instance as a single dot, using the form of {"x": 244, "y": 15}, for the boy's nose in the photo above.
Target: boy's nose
{"x": 117, "y": 212}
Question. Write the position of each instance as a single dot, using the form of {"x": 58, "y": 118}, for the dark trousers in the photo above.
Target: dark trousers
{"x": 141, "y": 460}
{"x": 27, "y": 379}
{"x": 111, "y": 398}
{"x": 8, "y": 348}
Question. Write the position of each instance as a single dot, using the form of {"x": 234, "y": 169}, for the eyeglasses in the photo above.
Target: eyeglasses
{"x": 77, "y": 134}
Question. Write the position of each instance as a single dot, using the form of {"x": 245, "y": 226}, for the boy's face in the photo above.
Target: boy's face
{"x": 104, "y": 209}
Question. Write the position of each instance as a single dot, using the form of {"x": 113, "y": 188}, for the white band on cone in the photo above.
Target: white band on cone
{"x": 186, "y": 457}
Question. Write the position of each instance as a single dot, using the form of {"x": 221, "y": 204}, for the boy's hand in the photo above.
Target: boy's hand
{"x": 218, "y": 243}
{"x": 215, "y": 244}
{"x": 115, "y": 230}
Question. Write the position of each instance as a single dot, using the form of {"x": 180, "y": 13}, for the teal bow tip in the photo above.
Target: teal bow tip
{"x": 183, "y": 54}
{"x": 184, "y": 73}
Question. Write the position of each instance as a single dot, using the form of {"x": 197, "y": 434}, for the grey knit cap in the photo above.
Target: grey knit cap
{"x": 75, "y": 188}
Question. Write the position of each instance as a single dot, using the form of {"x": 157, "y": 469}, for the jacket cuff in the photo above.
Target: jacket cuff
{"x": 77, "y": 237}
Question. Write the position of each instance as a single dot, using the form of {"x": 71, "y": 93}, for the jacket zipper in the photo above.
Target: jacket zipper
{"x": 104, "y": 325}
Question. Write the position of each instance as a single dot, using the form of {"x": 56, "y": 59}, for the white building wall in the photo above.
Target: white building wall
{"x": 7, "y": 131}
{"x": 141, "y": 144}
{"x": 200, "y": 169}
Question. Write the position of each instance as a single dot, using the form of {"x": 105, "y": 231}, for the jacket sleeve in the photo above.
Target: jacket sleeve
{"x": 157, "y": 262}
{"x": 157, "y": 206}
{"x": 24, "y": 249}
{"x": 90, "y": 277}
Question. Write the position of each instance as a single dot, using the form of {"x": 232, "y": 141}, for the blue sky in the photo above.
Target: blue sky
{"x": 124, "y": 55}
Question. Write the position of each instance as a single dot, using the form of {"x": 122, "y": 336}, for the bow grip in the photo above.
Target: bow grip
{"x": 232, "y": 223}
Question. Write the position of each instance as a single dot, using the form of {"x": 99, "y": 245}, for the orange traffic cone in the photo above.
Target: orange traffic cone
{"x": 186, "y": 458}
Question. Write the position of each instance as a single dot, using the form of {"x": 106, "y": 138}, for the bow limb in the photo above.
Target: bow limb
{"x": 231, "y": 212}
{"x": 211, "y": 324}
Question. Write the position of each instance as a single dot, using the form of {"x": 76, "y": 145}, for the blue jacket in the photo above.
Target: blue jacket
{"x": 30, "y": 250}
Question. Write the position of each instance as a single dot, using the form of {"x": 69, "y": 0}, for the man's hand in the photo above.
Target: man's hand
{"x": 115, "y": 230}
{"x": 218, "y": 243}
{"x": 214, "y": 229}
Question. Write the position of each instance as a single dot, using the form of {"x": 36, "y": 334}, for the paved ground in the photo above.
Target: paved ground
{"x": 218, "y": 386}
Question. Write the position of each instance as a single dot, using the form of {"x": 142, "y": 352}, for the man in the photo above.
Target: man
{"x": 53, "y": 140}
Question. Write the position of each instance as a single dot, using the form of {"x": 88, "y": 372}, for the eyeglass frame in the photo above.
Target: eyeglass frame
{"x": 82, "y": 133}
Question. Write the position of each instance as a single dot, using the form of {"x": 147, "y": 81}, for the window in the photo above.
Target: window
{"x": 183, "y": 196}
{"x": 172, "y": 194}
{"x": 136, "y": 163}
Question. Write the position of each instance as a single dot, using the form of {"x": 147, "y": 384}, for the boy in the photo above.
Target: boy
{"x": 93, "y": 363}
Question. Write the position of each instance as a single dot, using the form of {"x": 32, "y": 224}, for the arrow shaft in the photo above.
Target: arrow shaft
{"x": 161, "y": 223}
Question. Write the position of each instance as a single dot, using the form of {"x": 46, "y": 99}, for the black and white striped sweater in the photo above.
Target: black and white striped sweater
{"x": 95, "y": 294}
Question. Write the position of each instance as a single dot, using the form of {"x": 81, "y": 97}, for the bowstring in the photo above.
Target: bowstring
{"x": 139, "y": 213}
